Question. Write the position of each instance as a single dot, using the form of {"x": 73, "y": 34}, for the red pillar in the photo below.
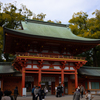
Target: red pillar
{"x": 23, "y": 78}
{"x": 2, "y": 84}
{"x": 76, "y": 79}
{"x": 39, "y": 77}
{"x": 62, "y": 72}
{"x": 62, "y": 76}
{"x": 88, "y": 84}
{"x": 39, "y": 74}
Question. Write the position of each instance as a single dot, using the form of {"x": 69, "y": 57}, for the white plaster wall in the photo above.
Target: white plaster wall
{"x": 45, "y": 67}
{"x": 35, "y": 66}
{"x": 57, "y": 67}
{"x": 66, "y": 68}
{"x": 28, "y": 66}
{"x": 71, "y": 68}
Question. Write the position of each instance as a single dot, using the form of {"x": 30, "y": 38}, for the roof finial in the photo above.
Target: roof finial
{"x": 6, "y": 22}
{"x": 26, "y": 20}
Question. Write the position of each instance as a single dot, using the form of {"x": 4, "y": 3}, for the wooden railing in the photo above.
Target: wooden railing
{"x": 49, "y": 56}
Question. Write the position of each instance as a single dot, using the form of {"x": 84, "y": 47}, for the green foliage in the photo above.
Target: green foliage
{"x": 10, "y": 13}
{"x": 78, "y": 23}
{"x": 82, "y": 26}
{"x": 40, "y": 17}
{"x": 54, "y": 22}
{"x": 1, "y": 42}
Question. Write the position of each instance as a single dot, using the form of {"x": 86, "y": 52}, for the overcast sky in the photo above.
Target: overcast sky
{"x": 60, "y": 10}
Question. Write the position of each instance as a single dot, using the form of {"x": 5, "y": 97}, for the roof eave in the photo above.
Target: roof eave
{"x": 45, "y": 37}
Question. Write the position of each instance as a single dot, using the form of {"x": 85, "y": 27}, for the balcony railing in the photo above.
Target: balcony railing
{"x": 49, "y": 56}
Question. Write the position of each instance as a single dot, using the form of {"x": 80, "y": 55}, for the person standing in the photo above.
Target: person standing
{"x": 10, "y": 95}
{"x": 36, "y": 92}
{"x": 45, "y": 91}
{"x": 15, "y": 93}
{"x": 62, "y": 90}
{"x": 88, "y": 95}
{"x": 82, "y": 90}
{"x": 33, "y": 93}
{"x": 1, "y": 94}
{"x": 6, "y": 96}
{"x": 59, "y": 91}
{"x": 78, "y": 88}
{"x": 40, "y": 93}
{"x": 76, "y": 95}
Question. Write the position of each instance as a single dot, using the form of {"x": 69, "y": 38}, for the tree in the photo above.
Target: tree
{"x": 11, "y": 14}
{"x": 78, "y": 23}
{"x": 40, "y": 17}
{"x": 82, "y": 26}
{"x": 14, "y": 15}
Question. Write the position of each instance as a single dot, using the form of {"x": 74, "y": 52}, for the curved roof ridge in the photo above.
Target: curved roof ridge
{"x": 51, "y": 31}
{"x": 46, "y": 23}
{"x": 90, "y": 67}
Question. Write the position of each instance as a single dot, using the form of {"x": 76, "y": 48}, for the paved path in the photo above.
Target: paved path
{"x": 67, "y": 97}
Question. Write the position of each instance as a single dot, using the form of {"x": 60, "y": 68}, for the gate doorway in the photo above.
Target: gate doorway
{"x": 50, "y": 87}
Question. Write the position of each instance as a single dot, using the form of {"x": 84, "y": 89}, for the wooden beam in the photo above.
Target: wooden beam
{"x": 51, "y": 72}
{"x": 31, "y": 72}
{"x": 69, "y": 73}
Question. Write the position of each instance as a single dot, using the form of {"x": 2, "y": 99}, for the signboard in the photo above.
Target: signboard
{"x": 24, "y": 91}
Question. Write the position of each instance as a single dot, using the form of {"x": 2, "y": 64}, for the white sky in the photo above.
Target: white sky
{"x": 60, "y": 10}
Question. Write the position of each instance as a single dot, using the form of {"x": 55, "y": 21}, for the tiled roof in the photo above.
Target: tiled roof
{"x": 50, "y": 30}
{"x": 6, "y": 67}
{"x": 90, "y": 71}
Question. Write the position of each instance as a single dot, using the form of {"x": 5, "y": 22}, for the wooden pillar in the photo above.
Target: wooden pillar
{"x": 39, "y": 74}
{"x": 76, "y": 79}
{"x": 23, "y": 78}
{"x": 39, "y": 77}
{"x": 62, "y": 78}
{"x": 88, "y": 84}
{"x": 62, "y": 74}
{"x": 2, "y": 84}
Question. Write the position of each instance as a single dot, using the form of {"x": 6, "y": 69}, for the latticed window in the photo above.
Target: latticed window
{"x": 86, "y": 85}
{"x": 95, "y": 85}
